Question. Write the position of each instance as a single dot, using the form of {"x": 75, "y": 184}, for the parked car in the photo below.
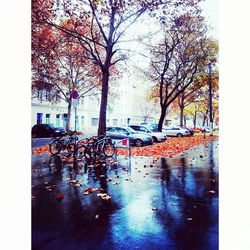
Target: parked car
{"x": 175, "y": 131}
{"x": 215, "y": 128}
{"x": 207, "y": 129}
{"x": 196, "y": 130}
{"x": 189, "y": 129}
{"x": 151, "y": 126}
{"x": 47, "y": 130}
{"x": 156, "y": 136}
{"x": 135, "y": 138}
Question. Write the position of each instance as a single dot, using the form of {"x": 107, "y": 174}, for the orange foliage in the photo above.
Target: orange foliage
{"x": 170, "y": 148}
{"x": 41, "y": 150}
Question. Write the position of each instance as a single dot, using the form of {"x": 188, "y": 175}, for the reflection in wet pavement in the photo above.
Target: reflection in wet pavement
{"x": 166, "y": 204}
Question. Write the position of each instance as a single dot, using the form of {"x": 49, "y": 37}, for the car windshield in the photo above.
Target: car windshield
{"x": 152, "y": 129}
{"x": 149, "y": 129}
{"x": 130, "y": 130}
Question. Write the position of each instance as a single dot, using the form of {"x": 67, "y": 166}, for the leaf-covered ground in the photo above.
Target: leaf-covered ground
{"x": 170, "y": 148}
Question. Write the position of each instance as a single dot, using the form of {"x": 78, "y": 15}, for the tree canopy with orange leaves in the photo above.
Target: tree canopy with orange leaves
{"x": 177, "y": 60}
{"x": 61, "y": 65}
{"x": 99, "y": 26}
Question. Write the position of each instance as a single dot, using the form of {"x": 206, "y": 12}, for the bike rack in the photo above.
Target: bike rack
{"x": 125, "y": 143}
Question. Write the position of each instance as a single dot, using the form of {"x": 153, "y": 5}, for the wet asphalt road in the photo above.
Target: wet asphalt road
{"x": 167, "y": 204}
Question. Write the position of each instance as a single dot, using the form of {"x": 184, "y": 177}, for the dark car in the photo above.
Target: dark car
{"x": 135, "y": 138}
{"x": 47, "y": 130}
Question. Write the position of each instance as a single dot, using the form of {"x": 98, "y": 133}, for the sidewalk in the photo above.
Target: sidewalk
{"x": 169, "y": 203}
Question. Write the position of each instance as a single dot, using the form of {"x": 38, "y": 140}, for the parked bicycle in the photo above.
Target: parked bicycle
{"x": 99, "y": 148}
{"x": 81, "y": 146}
{"x": 59, "y": 144}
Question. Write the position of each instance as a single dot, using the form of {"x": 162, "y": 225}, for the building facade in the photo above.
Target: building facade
{"x": 126, "y": 108}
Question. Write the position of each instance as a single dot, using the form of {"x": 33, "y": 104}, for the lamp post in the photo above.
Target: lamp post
{"x": 210, "y": 98}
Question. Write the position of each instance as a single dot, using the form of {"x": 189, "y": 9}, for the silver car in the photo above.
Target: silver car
{"x": 175, "y": 131}
{"x": 156, "y": 136}
{"x": 135, "y": 138}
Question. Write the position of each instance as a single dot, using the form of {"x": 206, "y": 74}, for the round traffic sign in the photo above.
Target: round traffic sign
{"x": 74, "y": 94}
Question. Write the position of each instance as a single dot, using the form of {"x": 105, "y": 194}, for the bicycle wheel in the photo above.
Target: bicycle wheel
{"x": 81, "y": 145}
{"x": 55, "y": 147}
{"x": 71, "y": 144}
{"x": 108, "y": 149}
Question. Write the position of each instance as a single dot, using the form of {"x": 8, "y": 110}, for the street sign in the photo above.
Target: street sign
{"x": 74, "y": 103}
{"x": 125, "y": 142}
{"x": 74, "y": 94}
{"x": 121, "y": 143}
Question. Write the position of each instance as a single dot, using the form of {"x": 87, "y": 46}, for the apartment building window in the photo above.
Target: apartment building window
{"x": 48, "y": 94}
{"x": 64, "y": 119}
{"x": 115, "y": 122}
{"x": 94, "y": 122}
{"x": 81, "y": 101}
{"x": 77, "y": 123}
{"x": 58, "y": 120}
{"x": 40, "y": 95}
{"x": 39, "y": 118}
{"x": 47, "y": 118}
{"x": 58, "y": 99}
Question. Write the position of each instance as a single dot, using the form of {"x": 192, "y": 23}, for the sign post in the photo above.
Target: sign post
{"x": 210, "y": 98}
{"x": 75, "y": 102}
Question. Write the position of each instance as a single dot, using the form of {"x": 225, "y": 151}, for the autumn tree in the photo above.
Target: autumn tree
{"x": 197, "y": 104}
{"x": 146, "y": 110}
{"x": 176, "y": 59}
{"x": 107, "y": 23}
{"x": 198, "y": 90}
{"x": 203, "y": 97}
{"x": 200, "y": 82}
{"x": 61, "y": 65}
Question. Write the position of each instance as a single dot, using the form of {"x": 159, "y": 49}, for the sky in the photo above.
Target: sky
{"x": 209, "y": 10}
{"x": 211, "y": 13}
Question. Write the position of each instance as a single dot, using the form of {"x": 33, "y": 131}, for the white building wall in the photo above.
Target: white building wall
{"x": 125, "y": 108}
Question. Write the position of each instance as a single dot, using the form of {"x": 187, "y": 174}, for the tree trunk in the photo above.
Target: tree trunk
{"x": 181, "y": 115}
{"x": 204, "y": 120}
{"x": 69, "y": 114}
{"x": 195, "y": 118}
{"x": 185, "y": 120}
{"x": 104, "y": 102}
{"x": 162, "y": 117}
{"x": 181, "y": 105}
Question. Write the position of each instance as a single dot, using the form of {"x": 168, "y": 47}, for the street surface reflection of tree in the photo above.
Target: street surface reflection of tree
{"x": 182, "y": 170}
{"x": 55, "y": 160}
{"x": 185, "y": 210}
{"x": 166, "y": 172}
{"x": 212, "y": 174}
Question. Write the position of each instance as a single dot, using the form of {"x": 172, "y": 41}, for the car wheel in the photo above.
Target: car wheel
{"x": 138, "y": 143}
{"x": 179, "y": 135}
{"x": 155, "y": 139}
